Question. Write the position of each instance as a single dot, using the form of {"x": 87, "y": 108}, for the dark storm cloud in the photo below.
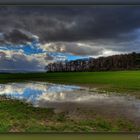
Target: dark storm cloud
{"x": 17, "y": 36}
{"x": 73, "y": 23}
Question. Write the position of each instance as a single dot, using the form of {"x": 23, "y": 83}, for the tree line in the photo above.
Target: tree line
{"x": 116, "y": 62}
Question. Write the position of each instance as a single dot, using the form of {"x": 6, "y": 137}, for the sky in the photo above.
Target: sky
{"x": 31, "y": 37}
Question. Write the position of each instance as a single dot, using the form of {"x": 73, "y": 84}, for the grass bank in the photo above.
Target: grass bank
{"x": 17, "y": 116}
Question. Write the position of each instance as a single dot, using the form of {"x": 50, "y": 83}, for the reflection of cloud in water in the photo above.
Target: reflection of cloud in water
{"x": 81, "y": 102}
{"x": 69, "y": 98}
{"x": 33, "y": 90}
{"x": 41, "y": 91}
{"x": 72, "y": 96}
{"x": 84, "y": 97}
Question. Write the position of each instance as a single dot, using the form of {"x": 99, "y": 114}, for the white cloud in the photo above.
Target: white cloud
{"x": 110, "y": 52}
{"x": 17, "y": 60}
{"x": 75, "y": 48}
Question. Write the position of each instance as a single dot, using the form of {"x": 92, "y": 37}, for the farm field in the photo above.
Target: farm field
{"x": 19, "y": 116}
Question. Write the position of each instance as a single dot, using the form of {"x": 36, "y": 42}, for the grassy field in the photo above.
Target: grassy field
{"x": 117, "y": 81}
{"x": 120, "y": 81}
{"x": 16, "y": 116}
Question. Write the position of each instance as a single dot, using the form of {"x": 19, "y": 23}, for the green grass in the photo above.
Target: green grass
{"x": 117, "y": 81}
{"x": 127, "y": 81}
{"x": 16, "y": 116}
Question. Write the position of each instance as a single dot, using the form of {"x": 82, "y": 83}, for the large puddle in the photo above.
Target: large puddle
{"x": 72, "y": 99}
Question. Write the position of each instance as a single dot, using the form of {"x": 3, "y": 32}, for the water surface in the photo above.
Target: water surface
{"x": 73, "y": 99}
